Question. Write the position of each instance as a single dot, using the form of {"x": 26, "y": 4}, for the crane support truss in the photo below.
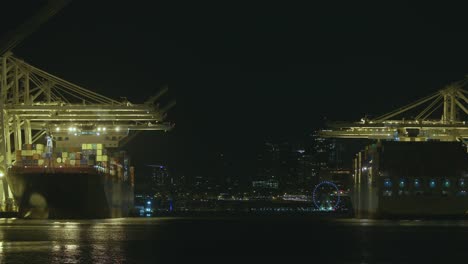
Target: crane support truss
{"x": 34, "y": 102}
{"x": 450, "y": 104}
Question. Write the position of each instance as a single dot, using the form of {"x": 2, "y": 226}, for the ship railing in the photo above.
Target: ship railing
{"x": 62, "y": 168}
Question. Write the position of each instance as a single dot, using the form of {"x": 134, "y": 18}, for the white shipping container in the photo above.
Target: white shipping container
{"x": 26, "y": 153}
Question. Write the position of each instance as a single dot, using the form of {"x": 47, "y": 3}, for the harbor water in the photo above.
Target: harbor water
{"x": 269, "y": 239}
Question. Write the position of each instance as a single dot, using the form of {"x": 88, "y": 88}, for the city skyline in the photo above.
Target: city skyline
{"x": 293, "y": 167}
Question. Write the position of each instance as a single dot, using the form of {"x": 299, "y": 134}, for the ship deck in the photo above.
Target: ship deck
{"x": 52, "y": 170}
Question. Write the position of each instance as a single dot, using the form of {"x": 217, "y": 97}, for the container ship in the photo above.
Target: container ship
{"x": 411, "y": 179}
{"x": 67, "y": 178}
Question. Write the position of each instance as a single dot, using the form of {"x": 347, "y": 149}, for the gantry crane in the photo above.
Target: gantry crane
{"x": 34, "y": 103}
{"x": 440, "y": 116}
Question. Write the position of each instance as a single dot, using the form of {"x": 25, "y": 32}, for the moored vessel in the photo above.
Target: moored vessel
{"x": 71, "y": 182}
{"x": 411, "y": 179}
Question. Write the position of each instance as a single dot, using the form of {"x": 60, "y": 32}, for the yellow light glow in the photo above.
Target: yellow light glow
{"x": 98, "y": 129}
{"x": 57, "y": 129}
{"x": 1, "y": 174}
{"x": 117, "y": 129}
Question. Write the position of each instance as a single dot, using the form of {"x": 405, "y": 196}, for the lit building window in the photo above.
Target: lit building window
{"x": 432, "y": 183}
{"x": 447, "y": 183}
{"x": 387, "y": 183}
{"x": 402, "y": 183}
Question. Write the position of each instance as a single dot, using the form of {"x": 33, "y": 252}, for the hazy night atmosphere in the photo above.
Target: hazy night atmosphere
{"x": 141, "y": 131}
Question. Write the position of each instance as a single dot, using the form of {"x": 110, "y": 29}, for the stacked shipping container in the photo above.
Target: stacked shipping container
{"x": 30, "y": 155}
{"x": 115, "y": 164}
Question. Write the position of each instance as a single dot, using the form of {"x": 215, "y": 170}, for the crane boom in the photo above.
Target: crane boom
{"x": 14, "y": 37}
{"x": 450, "y": 103}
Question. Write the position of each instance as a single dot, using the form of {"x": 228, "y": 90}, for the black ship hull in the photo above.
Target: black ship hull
{"x": 69, "y": 193}
{"x": 411, "y": 179}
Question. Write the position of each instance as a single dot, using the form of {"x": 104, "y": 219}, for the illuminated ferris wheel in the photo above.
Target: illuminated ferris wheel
{"x": 325, "y": 196}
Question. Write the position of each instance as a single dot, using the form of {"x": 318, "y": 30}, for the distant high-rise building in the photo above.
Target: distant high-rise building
{"x": 265, "y": 185}
{"x": 267, "y": 166}
{"x": 281, "y": 164}
{"x": 306, "y": 171}
{"x": 227, "y": 179}
{"x": 160, "y": 181}
{"x": 203, "y": 187}
{"x": 328, "y": 152}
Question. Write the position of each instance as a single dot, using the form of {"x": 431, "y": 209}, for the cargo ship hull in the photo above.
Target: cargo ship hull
{"x": 69, "y": 193}
{"x": 451, "y": 206}
{"x": 411, "y": 179}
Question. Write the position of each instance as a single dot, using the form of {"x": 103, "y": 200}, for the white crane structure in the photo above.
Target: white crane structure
{"x": 34, "y": 102}
{"x": 440, "y": 116}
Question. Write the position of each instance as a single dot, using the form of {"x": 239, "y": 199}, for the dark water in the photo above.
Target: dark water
{"x": 244, "y": 240}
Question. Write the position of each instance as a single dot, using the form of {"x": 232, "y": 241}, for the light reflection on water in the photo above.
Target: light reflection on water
{"x": 141, "y": 240}
{"x": 407, "y": 222}
{"x": 60, "y": 241}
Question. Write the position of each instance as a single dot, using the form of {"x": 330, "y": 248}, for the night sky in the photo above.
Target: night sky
{"x": 244, "y": 73}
